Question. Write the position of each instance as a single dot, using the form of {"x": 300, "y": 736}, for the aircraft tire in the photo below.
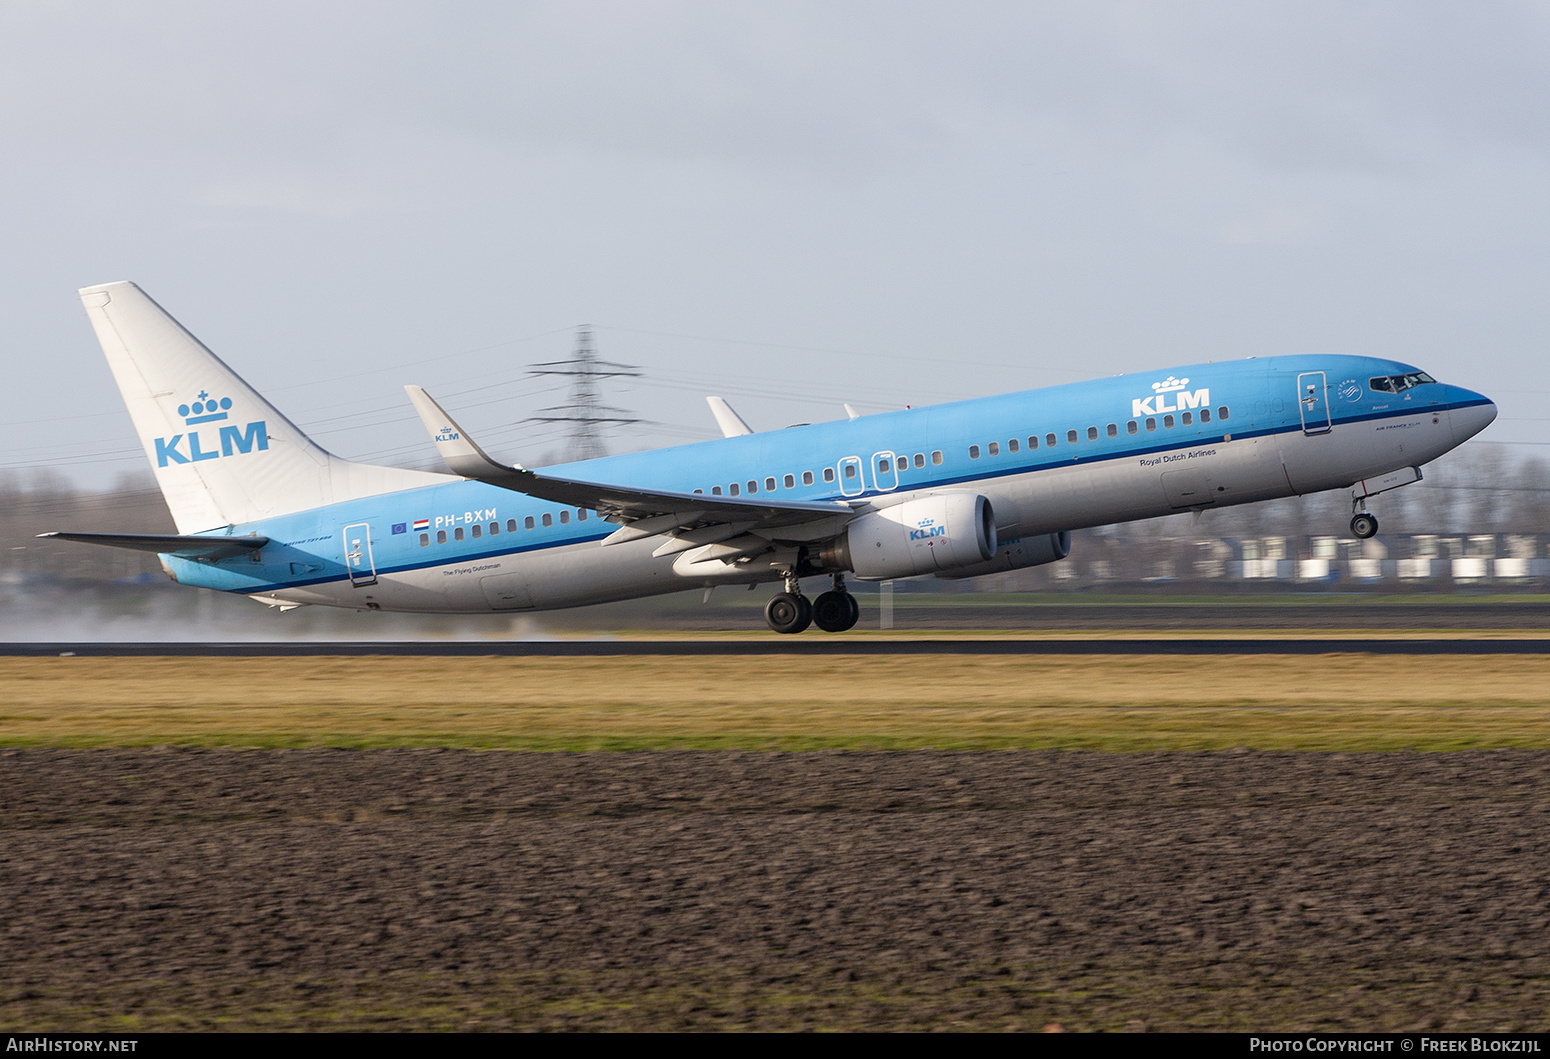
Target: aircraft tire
{"x": 835, "y": 611}
{"x": 1364, "y": 525}
{"x": 787, "y": 613}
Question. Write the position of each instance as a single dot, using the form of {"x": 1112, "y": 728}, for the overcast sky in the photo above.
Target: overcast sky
{"x": 791, "y": 205}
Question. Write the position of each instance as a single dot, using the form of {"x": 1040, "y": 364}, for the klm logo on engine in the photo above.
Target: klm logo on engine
{"x": 1173, "y": 388}
{"x": 927, "y": 528}
{"x": 195, "y": 447}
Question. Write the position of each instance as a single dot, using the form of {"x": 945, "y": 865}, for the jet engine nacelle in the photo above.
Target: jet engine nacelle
{"x": 935, "y": 532}
{"x": 1016, "y": 554}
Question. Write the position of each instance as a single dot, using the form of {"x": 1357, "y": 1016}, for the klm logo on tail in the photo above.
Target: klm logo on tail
{"x": 231, "y": 440}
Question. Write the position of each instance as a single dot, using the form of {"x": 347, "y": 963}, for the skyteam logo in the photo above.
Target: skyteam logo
{"x": 1169, "y": 389}
{"x": 229, "y": 441}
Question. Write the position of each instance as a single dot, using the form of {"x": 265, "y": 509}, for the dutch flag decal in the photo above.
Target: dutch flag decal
{"x": 422, "y": 523}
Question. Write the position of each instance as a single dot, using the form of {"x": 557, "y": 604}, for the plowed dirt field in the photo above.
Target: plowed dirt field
{"x": 335, "y": 888}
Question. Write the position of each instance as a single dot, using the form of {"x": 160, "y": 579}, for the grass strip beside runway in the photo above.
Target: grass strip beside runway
{"x": 1118, "y": 703}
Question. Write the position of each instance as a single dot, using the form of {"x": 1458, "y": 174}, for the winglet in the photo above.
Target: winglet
{"x": 731, "y": 424}
{"x": 461, "y": 453}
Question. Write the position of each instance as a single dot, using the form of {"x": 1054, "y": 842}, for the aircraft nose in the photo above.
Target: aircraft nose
{"x": 1472, "y": 419}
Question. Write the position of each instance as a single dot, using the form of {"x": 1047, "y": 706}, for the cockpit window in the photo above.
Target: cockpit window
{"x": 1399, "y": 383}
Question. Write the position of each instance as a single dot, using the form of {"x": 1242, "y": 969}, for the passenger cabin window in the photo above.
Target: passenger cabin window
{"x": 936, "y": 458}
{"x": 850, "y": 470}
{"x": 511, "y": 525}
{"x": 495, "y": 529}
{"x": 477, "y": 531}
{"x": 548, "y": 519}
{"x": 828, "y": 474}
{"x": 441, "y": 536}
{"x": 807, "y": 477}
{"x": 1168, "y": 422}
{"x": 1151, "y": 424}
{"x": 904, "y": 463}
{"x": 1092, "y": 433}
{"x": 974, "y": 452}
{"x": 920, "y": 459}
{"x": 1205, "y": 415}
{"x": 1049, "y": 440}
{"x": 700, "y": 491}
{"x": 1071, "y": 437}
{"x": 1130, "y": 427}
{"x": 1011, "y": 445}
{"x": 457, "y": 534}
{"x": 527, "y": 523}
{"x": 791, "y": 481}
{"x": 995, "y": 449}
{"x": 1033, "y": 441}
{"x": 734, "y": 490}
{"x": 715, "y": 490}
{"x": 753, "y": 487}
{"x": 564, "y": 518}
{"x": 1221, "y": 413}
{"x": 425, "y": 540}
{"x": 1113, "y": 431}
{"x": 581, "y": 514}
{"x": 1186, "y": 419}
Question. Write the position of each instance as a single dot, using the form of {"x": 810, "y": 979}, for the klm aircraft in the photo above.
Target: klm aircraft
{"x": 953, "y": 490}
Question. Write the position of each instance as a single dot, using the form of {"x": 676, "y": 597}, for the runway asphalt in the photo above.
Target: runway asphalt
{"x": 781, "y": 646}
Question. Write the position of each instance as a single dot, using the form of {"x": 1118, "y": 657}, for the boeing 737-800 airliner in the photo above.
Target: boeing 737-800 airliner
{"x": 952, "y": 490}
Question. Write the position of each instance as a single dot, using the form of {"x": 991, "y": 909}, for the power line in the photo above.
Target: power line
{"x": 585, "y": 413}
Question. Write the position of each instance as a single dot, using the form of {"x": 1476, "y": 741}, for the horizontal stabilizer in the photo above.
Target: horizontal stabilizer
{"x": 184, "y": 547}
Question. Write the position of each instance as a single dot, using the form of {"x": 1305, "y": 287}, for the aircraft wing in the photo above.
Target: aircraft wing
{"x": 184, "y": 547}
{"x": 691, "y": 519}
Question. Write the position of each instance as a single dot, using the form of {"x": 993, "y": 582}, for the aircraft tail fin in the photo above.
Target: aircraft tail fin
{"x": 222, "y": 454}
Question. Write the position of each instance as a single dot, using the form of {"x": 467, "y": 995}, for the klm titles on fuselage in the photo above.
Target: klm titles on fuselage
{"x": 231, "y": 440}
{"x": 1158, "y": 404}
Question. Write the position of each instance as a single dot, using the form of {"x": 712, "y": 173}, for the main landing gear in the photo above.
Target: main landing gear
{"x": 791, "y": 612}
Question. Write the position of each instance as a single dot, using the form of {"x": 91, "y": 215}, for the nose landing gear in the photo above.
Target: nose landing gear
{"x": 1363, "y": 524}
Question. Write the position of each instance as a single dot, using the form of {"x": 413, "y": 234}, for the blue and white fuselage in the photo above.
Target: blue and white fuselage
{"x": 1256, "y": 445}
{"x": 953, "y": 490}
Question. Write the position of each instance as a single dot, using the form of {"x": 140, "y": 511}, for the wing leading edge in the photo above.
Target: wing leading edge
{"x": 690, "y": 520}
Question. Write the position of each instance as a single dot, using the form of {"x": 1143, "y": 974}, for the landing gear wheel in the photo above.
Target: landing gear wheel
{"x": 836, "y": 611}
{"x": 788, "y": 613}
{"x": 1364, "y": 525}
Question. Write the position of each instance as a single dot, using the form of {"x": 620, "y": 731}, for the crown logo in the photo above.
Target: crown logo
{"x": 205, "y": 409}
{"x": 1169, "y": 384}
